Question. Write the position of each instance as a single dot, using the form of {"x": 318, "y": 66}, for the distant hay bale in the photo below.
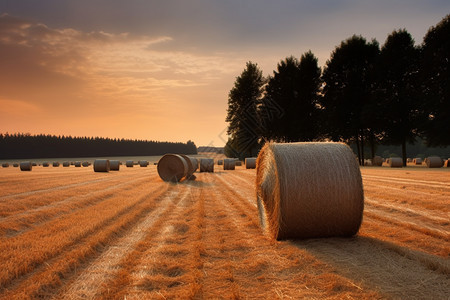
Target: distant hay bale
{"x": 26, "y": 166}
{"x": 101, "y": 165}
{"x": 55, "y": 164}
{"x": 238, "y": 163}
{"x": 34, "y": 164}
{"x": 77, "y": 164}
{"x": 86, "y": 164}
{"x": 207, "y": 165}
{"x": 66, "y": 164}
{"x": 45, "y": 164}
{"x": 129, "y": 163}
{"x": 143, "y": 163}
{"x": 229, "y": 164}
{"x": 250, "y": 163}
{"x": 377, "y": 161}
{"x": 114, "y": 165}
{"x": 395, "y": 162}
{"x": 409, "y": 160}
{"x": 15, "y": 165}
{"x": 5, "y": 165}
{"x": 417, "y": 161}
{"x": 367, "y": 162}
{"x": 172, "y": 167}
{"x": 434, "y": 162}
{"x": 220, "y": 162}
{"x": 299, "y": 197}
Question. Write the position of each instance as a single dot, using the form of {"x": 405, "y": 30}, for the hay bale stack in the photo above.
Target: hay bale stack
{"x": 229, "y": 164}
{"x": 299, "y": 197}
{"x": 55, "y": 164}
{"x": 129, "y": 163}
{"x": 45, "y": 164}
{"x": 434, "y": 162}
{"x": 143, "y": 163}
{"x": 172, "y": 167}
{"x": 207, "y": 165}
{"x": 417, "y": 161}
{"x": 66, "y": 164}
{"x": 26, "y": 166}
{"x": 377, "y": 161}
{"x": 220, "y": 162}
{"x": 101, "y": 165}
{"x": 5, "y": 165}
{"x": 114, "y": 165}
{"x": 395, "y": 162}
{"x": 250, "y": 163}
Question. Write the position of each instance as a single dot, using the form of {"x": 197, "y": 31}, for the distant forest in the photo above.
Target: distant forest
{"x": 20, "y": 145}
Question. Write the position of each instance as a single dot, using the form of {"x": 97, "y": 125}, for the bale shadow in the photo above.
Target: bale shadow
{"x": 392, "y": 270}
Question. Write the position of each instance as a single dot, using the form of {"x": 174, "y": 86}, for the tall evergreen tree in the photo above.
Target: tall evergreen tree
{"x": 242, "y": 117}
{"x": 435, "y": 73}
{"x": 348, "y": 88}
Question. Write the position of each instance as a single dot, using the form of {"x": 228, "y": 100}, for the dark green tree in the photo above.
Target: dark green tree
{"x": 399, "y": 89}
{"x": 435, "y": 73}
{"x": 243, "y": 100}
{"x": 293, "y": 89}
{"x": 348, "y": 88}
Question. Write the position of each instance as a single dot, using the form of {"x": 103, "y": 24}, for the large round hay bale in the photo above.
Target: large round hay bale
{"x": 417, "y": 161}
{"x": 129, "y": 163}
{"x": 66, "y": 164}
{"x": 172, "y": 167}
{"x": 206, "y": 165}
{"x": 45, "y": 164}
{"x": 114, "y": 165}
{"x": 55, "y": 164}
{"x": 220, "y": 162}
{"x": 300, "y": 197}
{"x": 229, "y": 164}
{"x": 377, "y": 161}
{"x": 143, "y": 163}
{"x": 101, "y": 165}
{"x": 395, "y": 162}
{"x": 434, "y": 162}
{"x": 250, "y": 162}
{"x": 192, "y": 165}
{"x": 26, "y": 166}
{"x": 5, "y": 165}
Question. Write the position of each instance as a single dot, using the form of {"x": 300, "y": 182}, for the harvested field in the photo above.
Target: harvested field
{"x": 71, "y": 233}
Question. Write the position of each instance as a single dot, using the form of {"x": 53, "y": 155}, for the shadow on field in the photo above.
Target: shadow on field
{"x": 392, "y": 270}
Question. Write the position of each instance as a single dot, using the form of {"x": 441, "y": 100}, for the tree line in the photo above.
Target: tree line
{"x": 19, "y": 145}
{"x": 365, "y": 95}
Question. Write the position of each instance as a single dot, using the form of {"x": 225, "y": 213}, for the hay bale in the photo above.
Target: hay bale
{"x": 395, "y": 162}
{"x": 377, "y": 161}
{"x": 192, "y": 164}
{"x": 86, "y": 164}
{"x": 409, "y": 160}
{"x": 45, "y": 164}
{"x": 77, "y": 164}
{"x": 55, "y": 164}
{"x": 417, "y": 161}
{"x": 26, "y": 166}
{"x": 143, "y": 163}
{"x": 5, "y": 165}
{"x": 299, "y": 197}
{"x": 220, "y": 162}
{"x": 114, "y": 165}
{"x": 129, "y": 163}
{"x": 207, "y": 165}
{"x": 34, "y": 164}
{"x": 434, "y": 162}
{"x": 101, "y": 165}
{"x": 172, "y": 167}
{"x": 15, "y": 165}
{"x": 447, "y": 163}
{"x": 229, "y": 164}
{"x": 250, "y": 163}
{"x": 238, "y": 163}
{"x": 66, "y": 164}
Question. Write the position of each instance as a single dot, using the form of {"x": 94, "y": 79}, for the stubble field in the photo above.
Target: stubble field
{"x": 70, "y": 233}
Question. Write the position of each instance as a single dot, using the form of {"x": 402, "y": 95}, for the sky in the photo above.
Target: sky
{"x": 162, "y": 70}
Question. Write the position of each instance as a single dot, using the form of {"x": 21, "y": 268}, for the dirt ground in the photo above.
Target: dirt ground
{"x": 70, "y": 233}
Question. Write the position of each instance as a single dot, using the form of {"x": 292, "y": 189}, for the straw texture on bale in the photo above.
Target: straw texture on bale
{"x": 299, "y": 197}
{"x": 207, "y": 165}
{"x": 434, "y": 162}
{"x": 143, "y": 163}
{"x": 66, "y": 164}
{"x": 192, "y": 164}
{"x": 395, "y": 162}
{"x": 101, "y": 165}
{"x": 5, "y": 165}
{"x": 26, "y": 166}
{"x": 417, "y": 161}
{"x": 172, "y": 167}
{"x": 114, "y": 165}
{"x": 129, "y": 163}
{"x": 250, "y": 162}
{"x": 229, "y": 164}
{"x": 55, "y": 164}
{"x": 220, "y": 162}
{"x": 377, "y": 161}
{"x": 45, "y": 164}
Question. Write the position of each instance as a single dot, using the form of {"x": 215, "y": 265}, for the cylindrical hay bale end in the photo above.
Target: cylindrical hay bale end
{"x": 101, "y": 165}
{"x": 377, "y": 161}
{"x": 299, "y": 197}
{"x": 26, "y": 166}
{"x": 395, "y": 162}
{"x": 129, "y": 163}
{"x": 207, "y": 165}
{"x": 143, "y": 163}
{"x": 114, "y": 165}
{"x": 250, "y": 163}
{"x": 172, "y": 167}
{"x": 192, "y": 165}
{"x": 434, "y": 162}
{"x": 229, "y": 164}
